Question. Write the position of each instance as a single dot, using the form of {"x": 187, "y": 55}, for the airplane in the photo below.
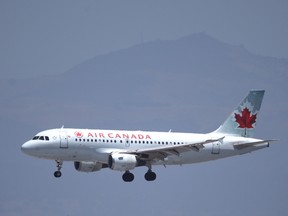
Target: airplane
{"x": 121, "y": 150}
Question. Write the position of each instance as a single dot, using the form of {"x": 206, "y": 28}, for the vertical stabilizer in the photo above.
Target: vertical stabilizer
{"x": 242, "y": 121}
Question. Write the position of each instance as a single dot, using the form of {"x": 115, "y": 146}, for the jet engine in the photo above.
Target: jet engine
{"x": 123, "y": 162}
{"x": 87, "y": 166}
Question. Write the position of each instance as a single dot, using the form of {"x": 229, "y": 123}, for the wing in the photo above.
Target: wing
{"x": 162, "y": 152}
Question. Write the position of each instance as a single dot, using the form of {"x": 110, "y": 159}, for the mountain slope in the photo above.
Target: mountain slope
{"x": 159, "y": 75}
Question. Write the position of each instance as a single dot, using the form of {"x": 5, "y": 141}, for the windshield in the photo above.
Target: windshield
{"x": 41, "y": 138}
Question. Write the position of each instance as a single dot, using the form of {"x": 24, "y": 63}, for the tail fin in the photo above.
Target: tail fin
{"x": 242, "y": 121}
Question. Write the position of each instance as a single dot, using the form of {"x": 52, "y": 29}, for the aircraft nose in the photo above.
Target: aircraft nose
{"x": 28, "y": 148}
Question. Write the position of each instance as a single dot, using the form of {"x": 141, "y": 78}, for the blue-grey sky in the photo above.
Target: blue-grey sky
{"x": 50, "y": 37}
{"x": 190, "y": 85}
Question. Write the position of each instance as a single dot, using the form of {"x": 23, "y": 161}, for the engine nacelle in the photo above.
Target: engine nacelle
{"x": 87, "y": 166}
{"x": 122, "y": 162}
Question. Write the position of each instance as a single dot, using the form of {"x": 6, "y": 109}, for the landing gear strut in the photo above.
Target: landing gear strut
{"x": 128, "y": 177}
{"x": 57, "y": 174}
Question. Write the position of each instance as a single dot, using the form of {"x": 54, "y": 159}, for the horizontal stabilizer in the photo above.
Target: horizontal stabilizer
{"x": 245, "y": 145}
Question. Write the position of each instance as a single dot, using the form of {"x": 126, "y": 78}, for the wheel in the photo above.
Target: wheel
{"x": 150, "y": 176}
{"x": 57, "y": 174}
{"x": 128, "y": 177}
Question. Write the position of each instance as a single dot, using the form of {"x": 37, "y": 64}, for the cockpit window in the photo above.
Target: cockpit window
{"x": 41, "y": 138}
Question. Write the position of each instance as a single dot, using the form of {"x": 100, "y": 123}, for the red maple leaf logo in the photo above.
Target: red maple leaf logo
{"x": 246, "y": 120}
{"x": 78, "y": 134}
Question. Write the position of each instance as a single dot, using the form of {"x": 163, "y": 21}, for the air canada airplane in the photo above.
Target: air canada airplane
{"x": 92, "y": 150}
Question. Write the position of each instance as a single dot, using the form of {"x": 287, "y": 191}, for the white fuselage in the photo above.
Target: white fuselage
{"x": 92, "y": 150}
{"x": 96, "y": 145}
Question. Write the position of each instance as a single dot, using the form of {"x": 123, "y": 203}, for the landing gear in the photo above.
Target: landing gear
{"x": 150, "y": 175}
{"x": 57, "y": 174}
{"x": 128, "y": 177}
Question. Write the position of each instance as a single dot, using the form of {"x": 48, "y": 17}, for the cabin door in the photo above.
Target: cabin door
{"x": 63, "y": 139}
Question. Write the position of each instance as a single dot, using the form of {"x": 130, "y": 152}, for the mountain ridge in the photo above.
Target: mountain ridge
{"x": 157, "y": 74}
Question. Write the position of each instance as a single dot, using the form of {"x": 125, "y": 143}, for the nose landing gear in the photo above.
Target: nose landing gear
{"x": 57, "y": 174}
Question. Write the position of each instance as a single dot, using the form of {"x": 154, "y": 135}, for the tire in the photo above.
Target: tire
{"x": 57, "y": 174}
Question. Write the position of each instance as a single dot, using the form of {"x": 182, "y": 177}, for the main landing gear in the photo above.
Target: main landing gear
{"x": 129, "y": 177}
{"x": 150, "y": 175}
{"x": 57, "y": 174}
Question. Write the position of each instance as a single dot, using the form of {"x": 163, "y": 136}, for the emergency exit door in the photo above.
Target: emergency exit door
{"x": 216, "y": 147}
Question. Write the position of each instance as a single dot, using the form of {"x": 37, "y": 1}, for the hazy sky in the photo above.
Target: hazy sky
{"x": 48, "y": 37}
{"x": 51, "y": 37}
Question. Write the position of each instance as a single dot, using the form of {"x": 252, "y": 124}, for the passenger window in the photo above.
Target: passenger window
{"x": 76, "y": 140}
